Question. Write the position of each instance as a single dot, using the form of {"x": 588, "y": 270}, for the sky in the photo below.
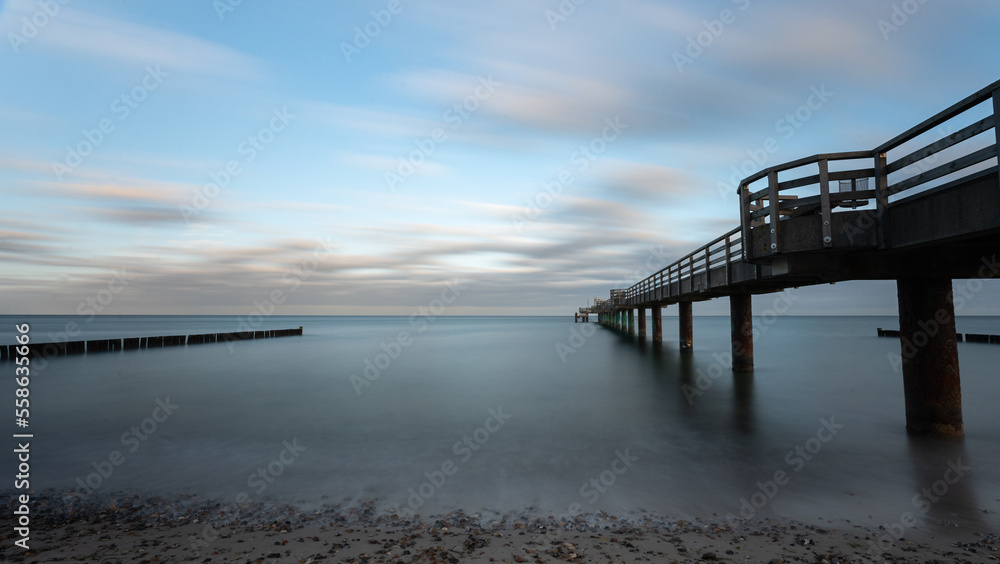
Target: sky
{"x": 510, "y": 157}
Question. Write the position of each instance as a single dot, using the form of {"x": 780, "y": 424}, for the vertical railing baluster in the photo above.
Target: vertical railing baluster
{"x": 824, "y": 202}
{"x": 708, "y": 267}
{"x": 881, "y": 198}
{"x": 772, "y": 200}
{"x": 729, "y": 259}
{"x": 996, "y": 118}
{"x": 745, "y": 221}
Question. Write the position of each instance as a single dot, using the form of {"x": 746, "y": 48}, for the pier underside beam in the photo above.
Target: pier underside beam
{"x": 931, "y": 383}
{"x": 642, "y": 322}
{"x": 741, "y": 328}
{"x": 657, "y": 324}
{"x": 686, "y": 326}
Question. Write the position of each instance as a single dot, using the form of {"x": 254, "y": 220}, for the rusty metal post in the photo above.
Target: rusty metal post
{"x": 631, "y": 321}
{"x": 932, "y": 387}
{"x": 642, "y": 322}
{"x": 741, "y": 330}
{"x": 686, "y": 326}
{"x": 657, "y": 324}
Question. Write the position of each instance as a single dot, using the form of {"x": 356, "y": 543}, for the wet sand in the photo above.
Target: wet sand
{"x": 131, "y": 528}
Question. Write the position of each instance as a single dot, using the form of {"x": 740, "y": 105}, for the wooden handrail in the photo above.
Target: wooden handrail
{"x": 966, "y": 104}
{"x": 660, "y": 284}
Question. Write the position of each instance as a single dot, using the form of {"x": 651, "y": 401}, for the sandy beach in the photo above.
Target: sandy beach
{"x": 131, "y": 528}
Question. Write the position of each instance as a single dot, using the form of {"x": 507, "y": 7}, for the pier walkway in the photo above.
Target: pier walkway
{"x": 922, "y": 209}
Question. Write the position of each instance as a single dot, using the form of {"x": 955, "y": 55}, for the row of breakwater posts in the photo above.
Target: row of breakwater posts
{"x": 959, "y": 337}
{"x": 922, "y": 209}
{"x": 50, "y": 350}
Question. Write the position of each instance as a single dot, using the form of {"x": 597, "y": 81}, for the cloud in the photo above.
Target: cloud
{"x": 641, "y": 183}
{"x": 81, "y": 34}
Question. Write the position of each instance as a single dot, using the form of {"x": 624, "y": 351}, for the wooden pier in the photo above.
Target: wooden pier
{"x": 920, "y": 215}
{"x": 51, "y": 350}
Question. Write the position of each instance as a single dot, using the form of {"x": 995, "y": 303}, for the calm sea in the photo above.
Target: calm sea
{"x": 498, "y": 414}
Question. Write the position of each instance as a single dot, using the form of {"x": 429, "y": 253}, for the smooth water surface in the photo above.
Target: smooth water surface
{"x": 589, "y": 417}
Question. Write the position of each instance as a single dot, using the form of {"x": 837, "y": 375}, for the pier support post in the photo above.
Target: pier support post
{"x": 657, "y": 324}
{"x": 931, "y": 384}
{"x": 686, "y": 326}
{"x": 576, "y": 318}
{"x": 642, "y": 322}
{"x": 631, "y": 321}
{"x": 741, "y": 329}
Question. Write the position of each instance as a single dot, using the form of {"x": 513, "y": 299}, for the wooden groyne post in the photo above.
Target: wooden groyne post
{"x": 51, "y": 350}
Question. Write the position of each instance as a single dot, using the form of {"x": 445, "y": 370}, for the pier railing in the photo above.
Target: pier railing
{"x": 916, "y": 170}
{"x": 826, "y": 185}
{"x": 700, "y": 270}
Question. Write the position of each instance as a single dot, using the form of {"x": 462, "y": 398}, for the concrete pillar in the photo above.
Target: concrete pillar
{"x": 657, "y": 324}
{"x": 631, "y": 321}
{"x": 642, "y": 322}
{"x": 741, "y": 329}
{"x": 931, "y": 384}
{"x": 686, "y": 326}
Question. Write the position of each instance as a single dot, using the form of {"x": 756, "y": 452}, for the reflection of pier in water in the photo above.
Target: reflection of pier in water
{"x": 918, "y": 209}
